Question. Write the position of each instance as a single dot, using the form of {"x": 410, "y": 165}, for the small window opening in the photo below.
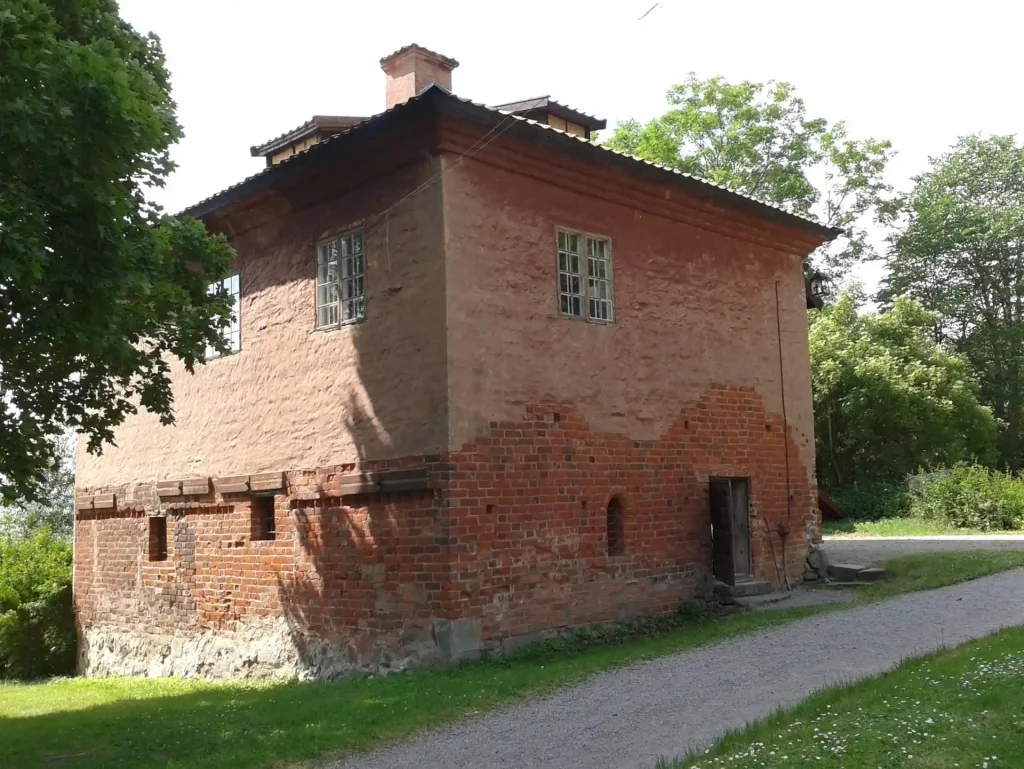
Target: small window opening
{"x": 264, "y": 525}
{"x": 616, "y": 533}
{"x": 157, "y": 538}
{"x": 490, "y": 509}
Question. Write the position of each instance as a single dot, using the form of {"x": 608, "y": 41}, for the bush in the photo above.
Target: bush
{"x": 37, "y": 621}
{"x": 873, "y": 502}
{"x": 969, "y": 497}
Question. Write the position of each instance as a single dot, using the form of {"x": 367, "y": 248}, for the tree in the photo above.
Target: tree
{"x": 962, "y": 255}
{"x": 887, "y": 399}
{"x": 53, "y": 508}
{"x": 756, "y": 139}
{"x": 97, "y": 289}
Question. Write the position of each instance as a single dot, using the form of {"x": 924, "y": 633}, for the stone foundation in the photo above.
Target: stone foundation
{"x": 269, "y": 649}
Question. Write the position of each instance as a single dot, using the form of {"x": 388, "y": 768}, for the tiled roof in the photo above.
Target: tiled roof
{"x": 693, "y": 183}
{"x": 414, "y": 47}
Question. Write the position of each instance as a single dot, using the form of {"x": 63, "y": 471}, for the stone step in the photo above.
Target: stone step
{"x": 852, "y": 572}
{"x": 743, "y": 589}
{"x": 870, "y": 575}
{"x": 845, "y": 572}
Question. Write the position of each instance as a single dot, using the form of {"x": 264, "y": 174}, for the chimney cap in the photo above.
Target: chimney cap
{"x": 414, "y": 48}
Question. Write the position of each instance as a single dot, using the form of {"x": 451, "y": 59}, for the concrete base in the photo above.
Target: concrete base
{"x": 458, "y": 639}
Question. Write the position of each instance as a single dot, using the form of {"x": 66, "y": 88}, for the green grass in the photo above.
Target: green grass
{"x": 956, "y": 708}
{"x": 181, "y": 723}
{"x": 931, "y": 570}
{"x": 895, "y": 527}
{"x": 128, "y": 723}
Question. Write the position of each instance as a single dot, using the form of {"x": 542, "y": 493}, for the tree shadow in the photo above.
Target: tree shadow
{"x": 368, "y": 567}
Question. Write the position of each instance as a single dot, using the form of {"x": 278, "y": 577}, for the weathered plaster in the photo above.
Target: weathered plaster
{"x": 299, "y": 398}
{"x": 693, "y": 309}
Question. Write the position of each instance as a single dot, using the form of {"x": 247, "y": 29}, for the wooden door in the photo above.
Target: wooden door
{"x": 740, "y": 513}
{"x": 720, "y": 503}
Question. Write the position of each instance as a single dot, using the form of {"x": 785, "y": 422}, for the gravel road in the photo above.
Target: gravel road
{"x": 868, "y": 550}
{"x": 629, "y": 717}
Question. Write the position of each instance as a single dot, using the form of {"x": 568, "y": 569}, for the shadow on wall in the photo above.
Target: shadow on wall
{"x": 369, "y": 567}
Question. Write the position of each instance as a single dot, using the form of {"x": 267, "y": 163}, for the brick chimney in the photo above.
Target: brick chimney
{"x": 411, "y": 69}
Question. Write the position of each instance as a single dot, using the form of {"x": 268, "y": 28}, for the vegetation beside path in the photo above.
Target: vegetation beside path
{"x": 130, "y": 723}
{"x": 961, "y": 707}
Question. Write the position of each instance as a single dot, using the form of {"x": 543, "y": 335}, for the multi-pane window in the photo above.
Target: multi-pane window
{"x": 232, "y": 333}
{"x": 340, "y": 280}
{"x": 570, "y": 274}
{"x": 584, "y": 277}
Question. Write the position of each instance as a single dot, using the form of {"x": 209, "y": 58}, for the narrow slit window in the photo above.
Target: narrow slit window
{"x": 616, "y": 528}
{"x": 157, "y": 538}
{"x": 264, "y": 524}
{"x": 232, "y": 333}
{"x": 340, "y": 281}
{"x": 585, "y": 277}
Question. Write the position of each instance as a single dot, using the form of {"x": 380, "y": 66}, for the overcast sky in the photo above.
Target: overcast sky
{"x": 918, "y": 73}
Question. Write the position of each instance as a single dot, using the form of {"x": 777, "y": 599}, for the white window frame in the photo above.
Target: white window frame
{"x": 585, "y": 280}
{"x": 341, "y": 280}
{"x": 232, "y": 333}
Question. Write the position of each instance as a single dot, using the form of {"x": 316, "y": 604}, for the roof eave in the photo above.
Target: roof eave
{"x": 658, "y": 172}
{"x": 298, "y": 134}
{"x": 527, "y": 129}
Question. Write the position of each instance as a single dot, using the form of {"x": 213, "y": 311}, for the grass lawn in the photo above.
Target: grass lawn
{"x": 962, "y": 707}
{"x": 931, "y": 570}
{"x": 896, "y": 527}
{"x": 128, "y": 723}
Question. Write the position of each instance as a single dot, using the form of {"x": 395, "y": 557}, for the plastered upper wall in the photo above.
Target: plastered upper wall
{"x": 693, "y": 308}
{"x": 298, "y": 398}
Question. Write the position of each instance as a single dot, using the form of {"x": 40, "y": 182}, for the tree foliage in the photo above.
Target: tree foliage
{"x": 37, "y": 620}
{"x": 757, "y": 139}
{"x": 962, "y": 255}
{"x": 53, "y": 507}
{"x": 97, "y": 290}
{"x": 887, "y": 399}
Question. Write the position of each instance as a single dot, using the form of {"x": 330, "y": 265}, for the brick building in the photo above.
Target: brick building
{"x": 490, "y": 380}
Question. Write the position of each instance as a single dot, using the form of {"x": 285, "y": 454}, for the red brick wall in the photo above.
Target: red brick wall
{"x": 529, "y": 500}
{"x": 512, "y": 539}
{"x": 348, "y": 584}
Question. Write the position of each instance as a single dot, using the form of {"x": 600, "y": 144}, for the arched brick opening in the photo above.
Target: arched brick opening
{"x": 616, "y": 528}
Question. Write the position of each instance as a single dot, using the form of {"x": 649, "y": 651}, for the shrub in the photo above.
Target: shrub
{"x": 37, "y": 621}
{"x": 969, "y": 497}
{"x": 873, "y": 501}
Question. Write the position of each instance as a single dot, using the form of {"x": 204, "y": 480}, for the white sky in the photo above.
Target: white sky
{"x": 920, "y": 73}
